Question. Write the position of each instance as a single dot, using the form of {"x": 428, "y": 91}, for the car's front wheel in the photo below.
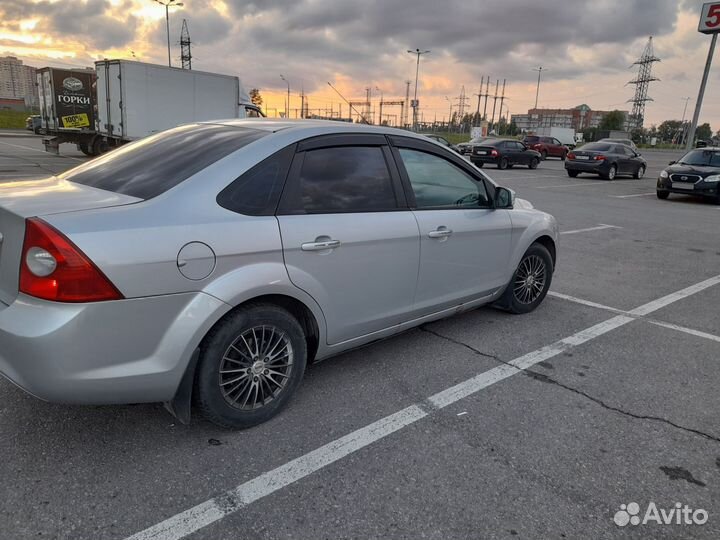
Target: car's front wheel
{"x": 534, "y": 163}
{"x": 639, "y": 173}
{"x": 530, "y": 282}
{"x": 662, "y": 194}
{"x": 250, "y": 366}
{"x": 543, "y": 155}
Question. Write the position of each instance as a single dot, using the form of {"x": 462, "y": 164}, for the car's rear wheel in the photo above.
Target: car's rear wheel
{"x": 534, "y": 163}
{"x": 564, "y": 156}
{"x": 662, "y": 194}
{"x": 611, "y": 174}
{"x": 572, "y": 174}
{"x": 543, "y": 155}
{"x": 639, "y": 173}
{"x": 503, "y": 163}
{"x": 479, "y": 164}
{"x": 530, "y": 282}
{"x": 250, "y": 366}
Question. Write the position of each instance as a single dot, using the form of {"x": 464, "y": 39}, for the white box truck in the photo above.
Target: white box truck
{"x": 136, "y": 99}
{"x": 565, "y": 135}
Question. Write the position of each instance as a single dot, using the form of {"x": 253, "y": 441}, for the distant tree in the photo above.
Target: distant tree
{"x": 613, "y": 120}
{"x": 255, "y": 97}
{"x": 669, "y": 129}
{"x": 704, "y": 131}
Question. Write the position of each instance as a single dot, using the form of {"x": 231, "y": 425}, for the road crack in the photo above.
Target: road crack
{"x": 549, "y": 380}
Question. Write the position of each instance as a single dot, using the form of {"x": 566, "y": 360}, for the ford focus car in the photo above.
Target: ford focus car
{"x": 696, "y": 173}
{"x": 211, "y": 262}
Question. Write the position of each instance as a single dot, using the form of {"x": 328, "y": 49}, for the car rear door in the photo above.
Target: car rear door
{"x": 464, "y": 241}
{"x": 349, "y": 239}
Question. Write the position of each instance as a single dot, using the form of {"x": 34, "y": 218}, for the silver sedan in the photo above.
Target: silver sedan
{"x": 213, "y": 261}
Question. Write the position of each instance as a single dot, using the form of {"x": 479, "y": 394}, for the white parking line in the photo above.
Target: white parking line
{"x": 208, "y": 512}
{"x": 685, "y": 329}
{"x": 600, "y": 227}
{"x": 634, "y": 195}
{"x": 571, "y": 185}
{"x": 38, "y": 150}
{"x": 588, "y": 303}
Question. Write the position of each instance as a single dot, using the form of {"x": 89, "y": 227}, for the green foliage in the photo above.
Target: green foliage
{"x": 614, "y": 120}
{"x": 704, "y": 131}
{"x": 13, "y": 119}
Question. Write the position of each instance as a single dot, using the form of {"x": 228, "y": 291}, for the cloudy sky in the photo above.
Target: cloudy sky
{"x": 585, "y": 47}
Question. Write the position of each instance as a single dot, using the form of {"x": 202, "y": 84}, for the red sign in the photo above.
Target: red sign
{"x": 710, "y": 18}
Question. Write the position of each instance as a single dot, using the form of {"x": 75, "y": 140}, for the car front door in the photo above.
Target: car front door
{"x": 625, "y": 159}
{"x": 522, "y": 153}
{"x": 464, "y": 241}
{"x": 349, "y": 239}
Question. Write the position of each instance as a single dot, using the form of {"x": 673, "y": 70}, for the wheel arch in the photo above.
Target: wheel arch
{"x": 548, "y": 243}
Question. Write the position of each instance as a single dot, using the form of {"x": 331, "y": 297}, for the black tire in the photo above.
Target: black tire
{"x": 543, "y": 155}
{"x": 214, "y": 352}
{"x": 572, "y": 174}
{"x": 509, "y": 301}
{"x": 503, "y": 163}
{"x": 611, "y": 174}
{"x": 36, "y": 131}
{"x": 662, "y": 194}
{"x": 479, "y": 165}
{"x": 85, "y": 149}
{"x": 637, "y": 175}
{"x": 98, "y": 146}
{"x": 533, "y": 163}
{"x": 564, "y": 156}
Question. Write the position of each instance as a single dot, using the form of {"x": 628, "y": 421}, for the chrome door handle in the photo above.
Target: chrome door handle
{"x": 320, "y": 246}
{"x": 440, "y": 233}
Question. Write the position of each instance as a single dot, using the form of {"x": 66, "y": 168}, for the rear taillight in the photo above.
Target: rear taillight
{"x": 571, "y": 156}
{"x": 599, "y": 158}
{"x": 53, "y": 268}
{"x": 493, "y": 152}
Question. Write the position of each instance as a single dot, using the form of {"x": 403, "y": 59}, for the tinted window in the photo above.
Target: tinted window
{"x": 256, "y": 192}
{"x": 343, "y": 179}
{"x": 532, "y": 140}
{"x": 597, "y": 147}
{"x": 547, "y": 140}
{"x": 438, "y": 183}
{"x": 707, "y": 158}
{"x": 556, "y": 142}
{"x": 153, "y": 165}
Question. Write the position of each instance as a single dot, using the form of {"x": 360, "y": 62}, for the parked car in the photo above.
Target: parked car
{"x": 32, "y": 123}
{"x": 466, "y": 147}
{"x": 608, "y": 160}
{"x": 442, "y": 140}
{"x": 547, "y": 146}
{"x": 696, "y": 173}
{"x": 504, "y": 153}
{"x": 248, "y": 266}
{"x": 626, "y": 142}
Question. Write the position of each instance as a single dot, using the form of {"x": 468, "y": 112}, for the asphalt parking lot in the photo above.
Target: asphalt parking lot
{"x": 484, "y": 425}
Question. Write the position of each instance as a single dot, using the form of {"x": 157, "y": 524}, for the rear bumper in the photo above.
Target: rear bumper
{"x": 127, "y": 351}
{"x": 701, "y": 189}
{"x": 596, "y": 167}
{"x": 474, "y": 158}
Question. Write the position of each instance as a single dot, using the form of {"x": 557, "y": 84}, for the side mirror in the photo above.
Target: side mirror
{"x": 504, "y": 198}
{"x": 673, "y": 162}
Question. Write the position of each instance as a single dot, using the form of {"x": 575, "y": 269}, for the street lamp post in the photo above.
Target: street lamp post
{"x": 168, "y": 4}
{"x": 381, "y": 104}
{"x": 287, "y": 103}
{"x": 539, "y": 69}
{"x": 419, "y": 53}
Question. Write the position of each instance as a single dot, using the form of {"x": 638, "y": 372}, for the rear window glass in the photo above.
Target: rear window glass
{"x": 151, "y": 166}
{"x": 597, "y": 147}
{"x": 532, "y": 139}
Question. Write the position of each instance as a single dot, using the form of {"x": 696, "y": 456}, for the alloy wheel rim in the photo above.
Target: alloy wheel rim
{"x": 611, "y": 173}
{"x": 529, "y": 280}
{"x": 256, "y": 367}
{"x": 641, "y": 172}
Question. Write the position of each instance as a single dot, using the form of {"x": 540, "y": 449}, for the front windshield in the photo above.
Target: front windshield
{"x": 706, "y": 158}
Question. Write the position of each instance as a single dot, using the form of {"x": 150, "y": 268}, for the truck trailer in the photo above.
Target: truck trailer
{"x": 132, "y": 100}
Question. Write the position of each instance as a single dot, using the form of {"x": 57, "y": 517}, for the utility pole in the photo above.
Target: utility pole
{"x": 502, "y": 100}
{"x": 419, "y": 53}
{"x": 683, "y": 130}
{"x": 168, "y": 4}
{"x": 495, "y": 98}
{"x": 381, "y": 104}
{"x": 287, "y": 103}
{"x": 407, "y": 105}
{"x": 701, "y": 94}
{"x": 539, "y": 69}
{"x": 449, "y": 113}
{"x": 479, "y": 95}
{"x": 302, "y": 100}
{"x": 487, "y": 94}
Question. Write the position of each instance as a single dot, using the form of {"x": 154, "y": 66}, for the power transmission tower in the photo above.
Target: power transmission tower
{"x": 502, "y": 100}
{"x": 487, "y": 95}
{"x": 642, "y": 83}
{"x": 462, "y": 101}
{"x": 495, "y": 98}
{"x": 185, "y": 55}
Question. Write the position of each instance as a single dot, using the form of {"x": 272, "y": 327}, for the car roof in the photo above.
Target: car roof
{"x": 321, "y": 127}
